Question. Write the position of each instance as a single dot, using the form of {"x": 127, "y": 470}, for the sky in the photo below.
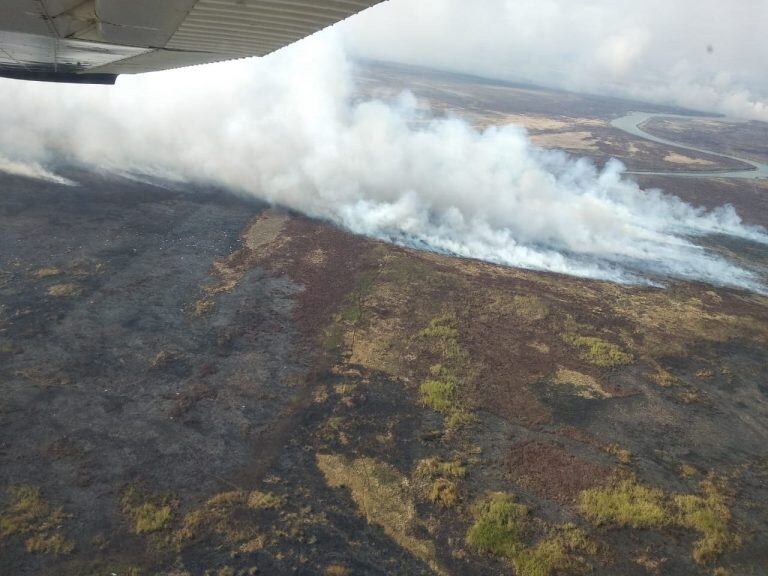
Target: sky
{"x": 708, "y": 55}
{"x": 290, "y": 130}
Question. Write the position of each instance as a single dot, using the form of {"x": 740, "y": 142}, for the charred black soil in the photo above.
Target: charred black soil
{"x": 195, "y": 384}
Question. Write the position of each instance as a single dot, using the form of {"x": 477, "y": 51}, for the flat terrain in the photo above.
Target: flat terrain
{"x": 196, "y": 384}
{"x": 745, "y": 139}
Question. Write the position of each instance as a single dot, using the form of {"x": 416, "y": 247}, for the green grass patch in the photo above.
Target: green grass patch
{"x": 441, "y": 327}
{"x": 439, "y": 394}
{"x": 708, "y": 515}
{"x": 500, "y": 524}
{"x": 554, "y": 554}
{"x": 500, "y": 528}
{"x": 598, "y": 351}
{"x": 625, "y": 503}
{"x": 442, "y": 390}
{"x": 442, "y": 338}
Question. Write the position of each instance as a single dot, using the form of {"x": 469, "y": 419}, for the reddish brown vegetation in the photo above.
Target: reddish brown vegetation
{"x": 552, "y": 471}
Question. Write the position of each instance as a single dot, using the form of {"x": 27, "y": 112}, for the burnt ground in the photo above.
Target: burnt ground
{"x": 195, "y": 385}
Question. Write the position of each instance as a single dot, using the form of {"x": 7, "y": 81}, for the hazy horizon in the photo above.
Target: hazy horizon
{"x": 700, "y": 55}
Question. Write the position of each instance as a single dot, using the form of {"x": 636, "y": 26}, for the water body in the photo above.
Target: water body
{"x": 631, "y": 124}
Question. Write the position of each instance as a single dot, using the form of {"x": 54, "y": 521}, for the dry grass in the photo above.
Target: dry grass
{"x": 30, "y": 516}
{"x": 444, "y": 493}
{"x": 598, "y": 351}
{"x": 203, "y": 307}
{"x": 67, "y": 290}
{"x": 623, "y": 456}
{"x": 663, "y": 378}
{"x": 336, "y": 570}
{"x": 581, "y": 385}
{"x": 47, "y": 273}
{"x": 526, "y": 307}
{"x": 224, "y": 515}
{"x": 677, "y": 158}
{"x": 259, "y": 238}
{"x": 670, "y": 323}
{"x": 383, "y": 496}
{"x": 258, "y": 500}
{"x": 147, "y": 513}
{"x": 688, "y": 471}
{"x": 580, "y": 140}
{"x": 432, "y": 468}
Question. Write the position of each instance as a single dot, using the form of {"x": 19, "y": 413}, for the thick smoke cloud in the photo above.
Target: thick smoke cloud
{"x": 286, "y": 129}
{"x": 704, "y": 54}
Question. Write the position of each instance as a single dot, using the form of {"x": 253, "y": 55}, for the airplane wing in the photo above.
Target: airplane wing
{"x": 92, "y": 41}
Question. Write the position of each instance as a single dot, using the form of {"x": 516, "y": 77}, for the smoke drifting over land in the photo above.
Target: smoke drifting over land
{"x": 703, "y": 54}
{"x": 285, "y": 129}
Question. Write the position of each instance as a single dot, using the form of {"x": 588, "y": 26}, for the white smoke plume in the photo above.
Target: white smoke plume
{"x": 707, "y": 55}
{"x": 31, "y": 170}
{"x": 286, "y": 129}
